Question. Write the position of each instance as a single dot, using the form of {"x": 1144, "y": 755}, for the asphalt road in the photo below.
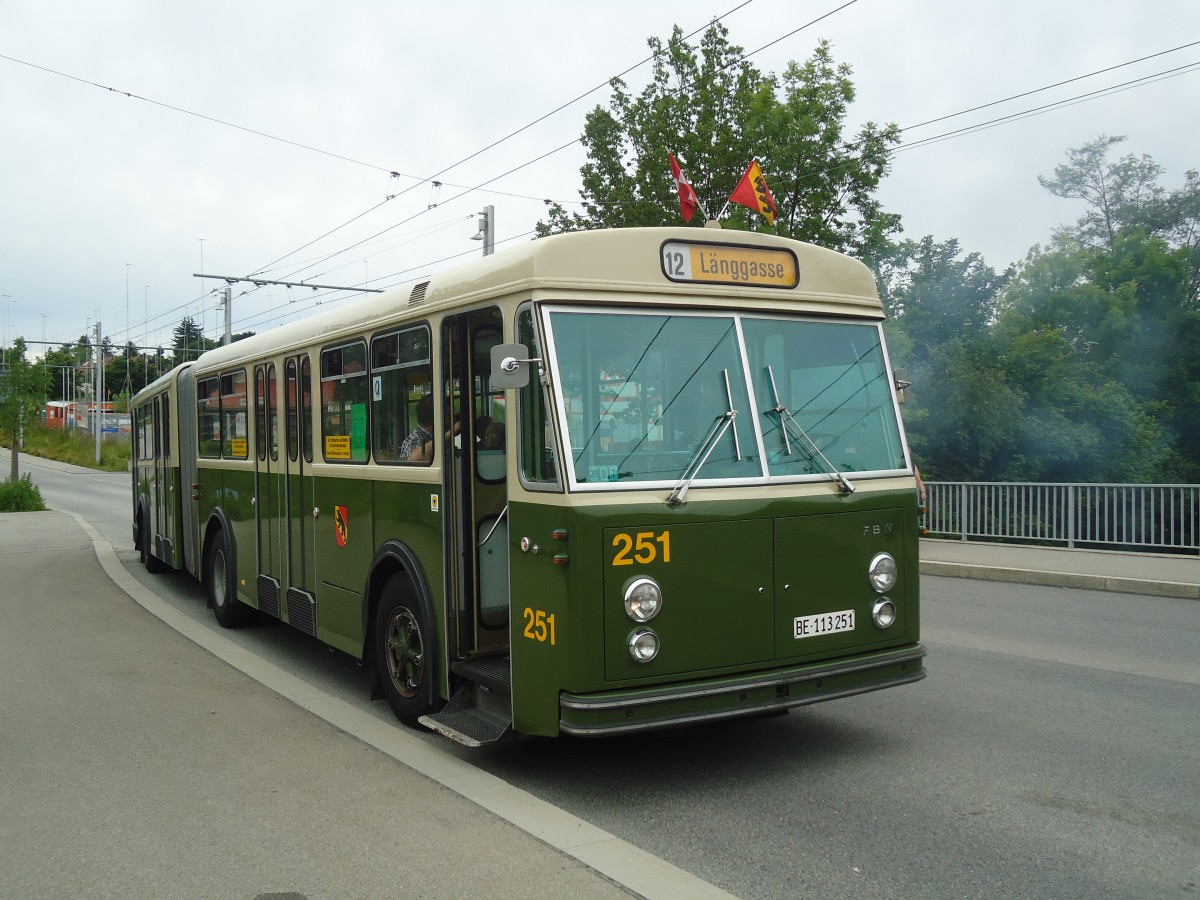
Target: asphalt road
{"x": 1050, "y": 753}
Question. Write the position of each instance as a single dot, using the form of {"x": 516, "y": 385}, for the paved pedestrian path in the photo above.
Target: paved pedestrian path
{"x": 141, "y": 760}
{"x": 1155, "y": 574}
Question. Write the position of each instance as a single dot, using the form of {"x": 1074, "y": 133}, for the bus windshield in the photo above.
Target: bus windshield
{"x": 650, "y": 397}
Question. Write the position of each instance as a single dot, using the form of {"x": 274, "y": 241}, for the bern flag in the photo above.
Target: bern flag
{"x": 752, "y": 192}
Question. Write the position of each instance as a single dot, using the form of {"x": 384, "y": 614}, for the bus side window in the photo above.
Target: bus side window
{"x": 260, "y": 413}
{"x": 208, "y": 418}
{"x": 344, "y": 403}
{"x": 272, "y": 413}
{"x": 306, "y": 409}
{"x": 293, "y": 406}
{"x": 234, "y": 443}
{"x": 162, "y": 447}
{"x": 401, "y": 374}
{"x": 536, "y": 438}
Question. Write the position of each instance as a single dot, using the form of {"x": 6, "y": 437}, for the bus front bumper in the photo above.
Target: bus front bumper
{"x": 668, "y": 706}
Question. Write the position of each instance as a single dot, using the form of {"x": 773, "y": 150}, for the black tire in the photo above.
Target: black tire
{"x": 220, "y": 586}
{"x": 405, "y": 655}
{"x": 145, "y": 539}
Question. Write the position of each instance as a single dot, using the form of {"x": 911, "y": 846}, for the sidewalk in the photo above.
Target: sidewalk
{"x": 149, "y": 756}
{"x": 1154, "y": 574}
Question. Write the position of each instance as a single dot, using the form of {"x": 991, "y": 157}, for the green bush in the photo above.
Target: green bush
{"x": 20, "y": 496}
{"x": 74, "y": 446}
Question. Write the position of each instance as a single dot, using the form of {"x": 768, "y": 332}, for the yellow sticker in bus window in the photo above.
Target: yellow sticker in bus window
{"x": 337, "y": 446}
{"x": 237, "y": 447}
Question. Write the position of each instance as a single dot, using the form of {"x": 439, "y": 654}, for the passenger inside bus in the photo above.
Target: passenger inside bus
{"x": 418, "y": 446}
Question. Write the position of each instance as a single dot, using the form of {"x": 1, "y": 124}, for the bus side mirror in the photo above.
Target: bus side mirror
{"x": 510, "y": 366}
{"x": 902, "y": 384}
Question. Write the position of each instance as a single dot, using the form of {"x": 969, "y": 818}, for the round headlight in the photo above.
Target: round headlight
{"x": 884, "y": 612}
{"x": 643, "y": 645}
{"x": 643, "y": 599}
{"x": 882, "y": 573}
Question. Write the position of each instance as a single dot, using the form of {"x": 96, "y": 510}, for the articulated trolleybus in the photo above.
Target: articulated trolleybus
{"x": 610, "y": 482}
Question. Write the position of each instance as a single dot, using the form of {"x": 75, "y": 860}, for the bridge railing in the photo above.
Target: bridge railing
{"x": 1114, "y": 516}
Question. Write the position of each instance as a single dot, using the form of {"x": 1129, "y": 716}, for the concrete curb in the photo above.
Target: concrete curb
{"x": 1063, "y": 579}
{"x": 622, "y": 863}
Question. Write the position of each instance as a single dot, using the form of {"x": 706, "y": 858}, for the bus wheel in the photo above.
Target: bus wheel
{"x": 404, "y": 651}
{"x": 218, "y": 582}
{"x": 145, "y": 540}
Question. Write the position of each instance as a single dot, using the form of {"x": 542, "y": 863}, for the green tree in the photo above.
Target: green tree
{"x": 1119, "y": 195}
{"x": 1123, "y": 197}
{"x": 189, "y": 340}
{"x": 126, "y": 373}
{"x": 1082, "y": 364}
{"x": 715, "y": 112}
{"x": 941, "y": 304}
{"x": 967, "y": 419}
{"x": 935, "y": 293}
{"x": 60, "y": 362}
{"x": 23, "y": 390}
{"x": 1102, "y": 331}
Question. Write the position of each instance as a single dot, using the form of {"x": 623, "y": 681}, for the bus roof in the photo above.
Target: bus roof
{"x": 625, "y": 260}
{"x": 163, "y": 380}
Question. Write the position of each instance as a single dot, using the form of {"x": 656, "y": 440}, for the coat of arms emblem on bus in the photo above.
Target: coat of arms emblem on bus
{"x": 341, "y": 525}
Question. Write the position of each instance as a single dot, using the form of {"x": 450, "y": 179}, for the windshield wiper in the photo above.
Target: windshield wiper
{"x": 813, "y": 451}
{"x": 700, "y": 457}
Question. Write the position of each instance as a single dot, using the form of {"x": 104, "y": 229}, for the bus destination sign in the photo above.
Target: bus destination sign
{"x": 686, "y": 261}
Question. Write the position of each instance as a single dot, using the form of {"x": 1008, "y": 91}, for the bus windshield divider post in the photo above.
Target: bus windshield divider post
{"x": 785, "y": 418}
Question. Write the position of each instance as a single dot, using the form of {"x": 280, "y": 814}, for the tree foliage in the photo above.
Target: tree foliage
{"x": 189, "y": 340}
{"x": 23, "y": 387}
{"x": 715, "y": 112}
{"x": 1081, "y": 365}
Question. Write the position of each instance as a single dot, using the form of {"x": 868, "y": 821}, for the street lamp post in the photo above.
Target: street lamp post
{"x": 7, "y": 298}
{"x": 487, "y": 230}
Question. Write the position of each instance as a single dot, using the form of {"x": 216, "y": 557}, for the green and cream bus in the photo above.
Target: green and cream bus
{"x": 609, "y": 482}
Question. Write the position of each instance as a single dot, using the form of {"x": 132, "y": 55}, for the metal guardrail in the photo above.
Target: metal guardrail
{"x": 1115, "y": 516}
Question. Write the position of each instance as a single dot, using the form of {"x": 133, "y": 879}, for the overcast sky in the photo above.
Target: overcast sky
{"x": 109, "y": 203}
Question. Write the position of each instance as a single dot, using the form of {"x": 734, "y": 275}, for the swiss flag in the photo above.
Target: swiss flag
{"x": 688, "y": 201}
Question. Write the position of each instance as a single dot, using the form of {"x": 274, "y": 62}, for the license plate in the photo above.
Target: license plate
{"x": 823, "y": 623}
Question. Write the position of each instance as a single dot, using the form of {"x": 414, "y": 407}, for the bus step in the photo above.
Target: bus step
{"x": 494, "y": 672}
{"x": 475, "y": 716}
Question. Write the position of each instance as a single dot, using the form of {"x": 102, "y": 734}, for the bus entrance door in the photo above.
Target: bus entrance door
{"x": 296, "y": 535}
{"x": 163, "y": 486}
{"x": 268, "y": 489}
{"x": 476, "y": 534}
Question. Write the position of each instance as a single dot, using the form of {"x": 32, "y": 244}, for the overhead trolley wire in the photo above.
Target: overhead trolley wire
{"x": 430, "y": 178}
{"x": 418, "y": 181}
{"x": 1049, "y": 86}
{"x": 1049, "y": 107}
{"x": 391, "y": 171}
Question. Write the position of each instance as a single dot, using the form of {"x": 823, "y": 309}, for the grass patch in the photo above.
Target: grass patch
{"x": 21, "y": 495}
{"x": 75, "y": 447}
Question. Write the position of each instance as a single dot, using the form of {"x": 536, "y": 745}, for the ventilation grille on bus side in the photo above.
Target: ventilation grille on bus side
{"x": 418, "y": 294}
{"x": 268, "y": 595}
{"x": 302, "y": 611}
